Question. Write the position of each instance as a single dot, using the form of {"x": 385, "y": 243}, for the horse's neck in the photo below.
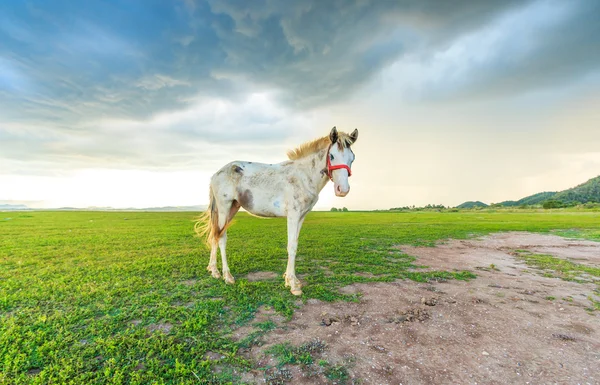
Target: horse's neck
{"x": 313, "y": 166}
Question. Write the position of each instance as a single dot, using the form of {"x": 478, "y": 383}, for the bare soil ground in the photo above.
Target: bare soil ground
{"x": 511, "y": 325}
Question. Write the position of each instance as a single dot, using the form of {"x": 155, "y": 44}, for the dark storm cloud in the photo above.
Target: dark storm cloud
{"x": 321, "y": 51}
{"x": 564, "y": 49}
{"x": 68, "y": 61}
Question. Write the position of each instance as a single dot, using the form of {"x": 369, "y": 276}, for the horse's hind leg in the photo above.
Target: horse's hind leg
{"x": 226, "y": 273}
{"x": 231, "y": 209}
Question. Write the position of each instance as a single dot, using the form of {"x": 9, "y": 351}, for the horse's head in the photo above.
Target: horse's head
{"x": 339, "y": 160}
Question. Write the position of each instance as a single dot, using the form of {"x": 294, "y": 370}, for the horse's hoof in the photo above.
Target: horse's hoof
{"x": 214, "y": 272}
{"x": 229, "y": 278}
{"x": 297, "y": 292}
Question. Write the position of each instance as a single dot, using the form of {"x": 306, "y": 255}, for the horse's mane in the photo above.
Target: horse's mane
{"x": 317, "y": 145}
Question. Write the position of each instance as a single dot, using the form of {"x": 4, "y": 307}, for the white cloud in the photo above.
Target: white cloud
{"x": 256, "y": 118}
{"x": 165, "y": 160}
{"x": 158, "y": 81}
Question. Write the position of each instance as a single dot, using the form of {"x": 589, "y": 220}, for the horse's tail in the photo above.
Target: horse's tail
{"x": 208, "y": 223}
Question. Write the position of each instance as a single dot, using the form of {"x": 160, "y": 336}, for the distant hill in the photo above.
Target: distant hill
{"x": 471, "y": 205}
{"x": 583, "y": 193}
{"x": 588, "y": 192}
{"x": 534, "y": 199}
{"x": 11, "y": 207}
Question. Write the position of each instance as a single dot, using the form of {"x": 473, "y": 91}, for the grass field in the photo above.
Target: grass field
{"x": 111, "y": 298}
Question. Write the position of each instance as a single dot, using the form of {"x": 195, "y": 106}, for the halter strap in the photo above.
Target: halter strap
{"x": 331, "y": 168}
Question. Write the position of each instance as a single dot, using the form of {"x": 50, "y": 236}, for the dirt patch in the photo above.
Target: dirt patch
{"x": 212, "y": 356}
{"x": 160, "y": 327}
{"x": 262, "y": 276}
{"x": 510, "y": 325}
{"x": 263, "y": 314}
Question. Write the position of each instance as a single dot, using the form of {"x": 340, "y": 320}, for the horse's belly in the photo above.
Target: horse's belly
{"x": 262, "y": 206}
{"x": 267, "y": 211}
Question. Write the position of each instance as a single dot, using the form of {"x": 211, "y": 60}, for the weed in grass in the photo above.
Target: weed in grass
{"x": 284, "y": 353}
{"x": 266, "y": 326}
{"x": 254, "y": 338}
{"x": 277, "y": 376}
{"x": 287, "y": 354}
{"x": 337, "y": 373}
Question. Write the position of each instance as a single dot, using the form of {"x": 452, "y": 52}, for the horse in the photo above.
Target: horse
{"x": 287, "y": 189}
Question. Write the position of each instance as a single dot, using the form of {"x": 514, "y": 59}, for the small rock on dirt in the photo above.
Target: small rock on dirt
{"x": 563, "y": 337}
{"x": 212, "y": 356}
{"x": 429, "y": 301}
{"x": 411, "y": 315}
{"x": 327, "y": 320}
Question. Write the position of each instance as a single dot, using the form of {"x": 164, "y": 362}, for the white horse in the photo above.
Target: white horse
{"x": 288, "y": 189}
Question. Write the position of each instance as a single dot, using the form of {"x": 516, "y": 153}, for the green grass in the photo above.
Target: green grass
{"x": 567, "y": 270}
{"x": 287, "y": 354}
{"x": 337, "y": 373}
{"x": 553, "y": 267}
{"x": 306, "y": 356}
{"x": 112, "y": 298}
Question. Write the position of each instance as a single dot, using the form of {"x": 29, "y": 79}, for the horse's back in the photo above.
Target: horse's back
{"x": 243, "y": 169}
{"x": 259, "y": 187}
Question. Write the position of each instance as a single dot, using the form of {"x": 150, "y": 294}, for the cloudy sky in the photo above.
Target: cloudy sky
{"x": 135, "y": 103}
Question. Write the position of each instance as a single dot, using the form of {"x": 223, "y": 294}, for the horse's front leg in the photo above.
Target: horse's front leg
{"x": 294, "y": 223}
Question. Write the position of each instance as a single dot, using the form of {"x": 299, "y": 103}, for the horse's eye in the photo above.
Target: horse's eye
{"x": 331, "y": 156}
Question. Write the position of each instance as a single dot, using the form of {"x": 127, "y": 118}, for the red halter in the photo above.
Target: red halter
{"x": 331, "y": 168}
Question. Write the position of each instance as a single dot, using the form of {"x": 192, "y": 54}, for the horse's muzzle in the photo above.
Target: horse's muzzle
{"x": 341, "y": 193}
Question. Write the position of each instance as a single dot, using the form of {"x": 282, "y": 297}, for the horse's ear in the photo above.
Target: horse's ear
{"x": 354, "y": 135}
{"x": 333, "y": 135}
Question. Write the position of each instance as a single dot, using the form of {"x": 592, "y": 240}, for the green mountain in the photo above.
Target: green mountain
{"x": 584, "y": 193}
{"x": 471, "y": 205}
{"x": 534, "y": 199}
